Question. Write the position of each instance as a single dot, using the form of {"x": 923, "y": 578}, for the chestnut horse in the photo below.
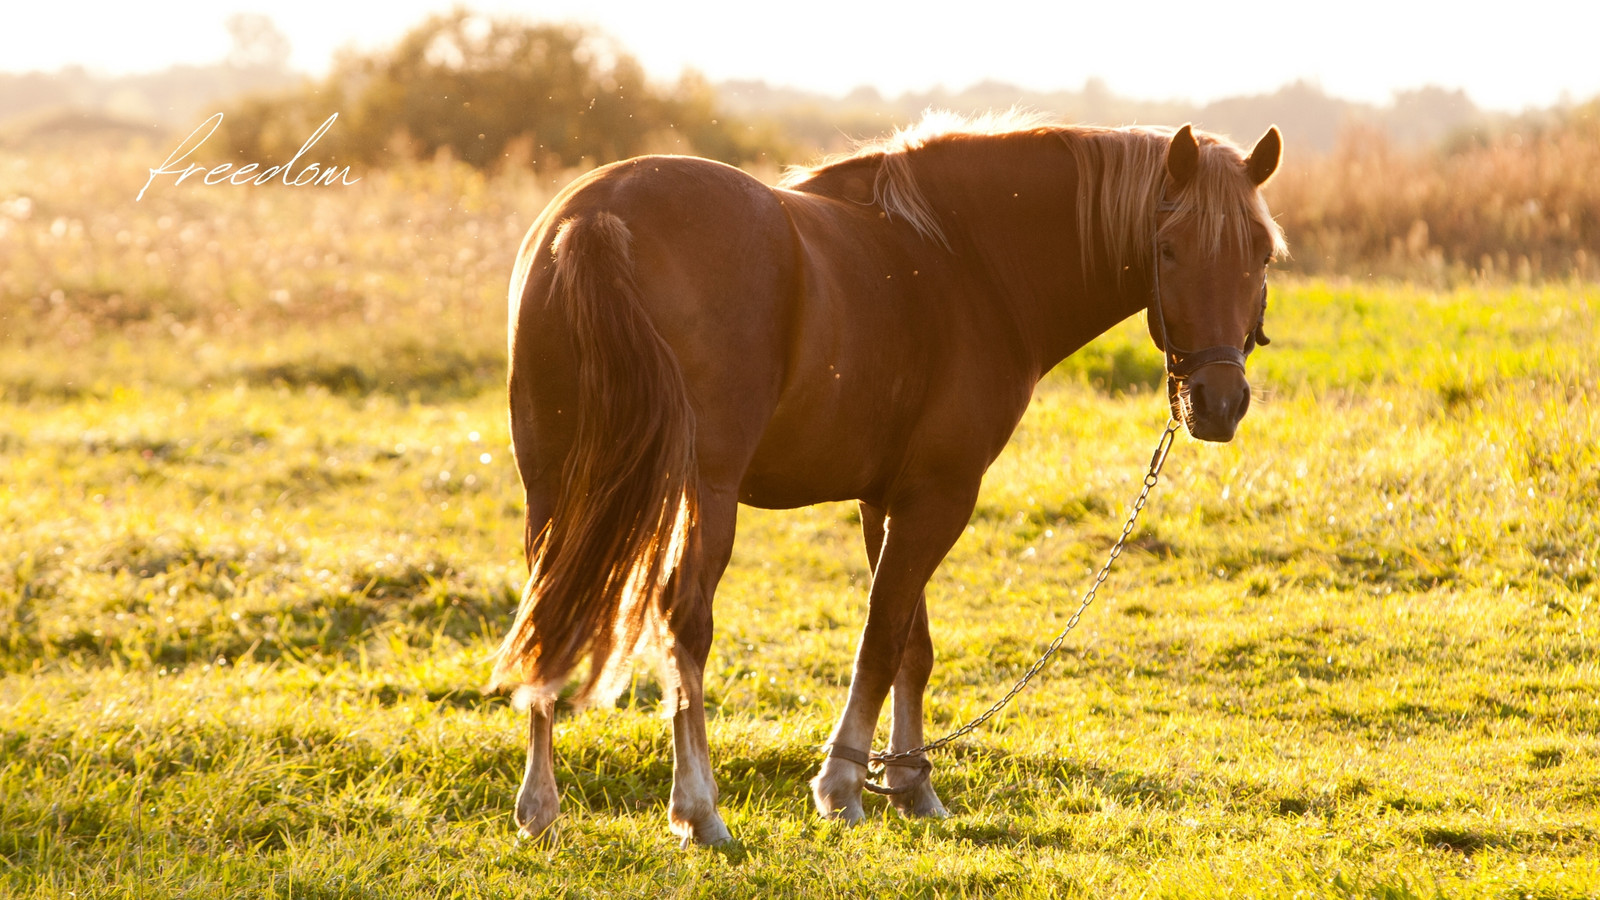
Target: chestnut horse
{"x": 684, "y": 338}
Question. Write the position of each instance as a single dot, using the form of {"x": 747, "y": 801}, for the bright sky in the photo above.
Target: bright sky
{"x": 1506, "y": 56}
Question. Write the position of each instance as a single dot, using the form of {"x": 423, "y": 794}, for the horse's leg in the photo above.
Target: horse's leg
{"x": 916, "y": 664}
{"x": 537, "y": 800}
{"x": 918, "y": 533}
{"x": 692, "y": 813}
{"x": 905, "y": 728}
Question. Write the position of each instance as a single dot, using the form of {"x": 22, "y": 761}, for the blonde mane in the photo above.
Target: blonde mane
{"x": 1121, "y": 173}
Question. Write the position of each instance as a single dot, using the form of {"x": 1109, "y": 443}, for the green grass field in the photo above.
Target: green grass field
{"x": 255, "y": 548}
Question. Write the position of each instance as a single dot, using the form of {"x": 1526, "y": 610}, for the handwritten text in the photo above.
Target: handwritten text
{"x": 310, "y": 174}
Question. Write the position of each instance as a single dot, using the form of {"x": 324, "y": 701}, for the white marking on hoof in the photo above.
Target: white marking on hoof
{"x": 707, "y": 833}
{"x": 536, "y": 820}
{"x": 837, "y": 791}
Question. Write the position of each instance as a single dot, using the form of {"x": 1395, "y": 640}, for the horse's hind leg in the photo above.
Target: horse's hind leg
{"x": 692, "y": 812}
{"x": 537, "y": 800}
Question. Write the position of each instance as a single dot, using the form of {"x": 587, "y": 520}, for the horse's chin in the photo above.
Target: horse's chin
{"x": 1216, "y": 429}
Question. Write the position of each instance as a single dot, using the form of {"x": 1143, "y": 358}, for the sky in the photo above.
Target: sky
{"x": 1505, "y": 56}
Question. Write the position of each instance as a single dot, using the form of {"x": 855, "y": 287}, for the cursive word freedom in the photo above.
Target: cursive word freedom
{"x": 247, "y": 174}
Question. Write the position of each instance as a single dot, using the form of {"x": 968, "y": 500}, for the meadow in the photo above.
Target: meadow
{"x": 260, "y": 529}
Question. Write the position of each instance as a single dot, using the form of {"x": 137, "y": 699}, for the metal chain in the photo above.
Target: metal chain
{"x": 1157, "y": 460}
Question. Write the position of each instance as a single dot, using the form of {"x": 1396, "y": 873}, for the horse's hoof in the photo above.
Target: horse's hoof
{"x": 837, "y": 791}
{"x": 848, "y": 810}
{"x": 712, "y": 833}
{"x": 922, "y": 810}
{"x": 536, "y": 816}
{"x": 921, "y": 803}
{"x": 849, "y": 814}
{"x": 708, "y": 833}
{"x": 544, "y": 837}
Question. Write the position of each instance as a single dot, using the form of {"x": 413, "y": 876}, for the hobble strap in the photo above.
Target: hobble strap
{"x": 867, "y": 760}
{"x": 849, "y": 754}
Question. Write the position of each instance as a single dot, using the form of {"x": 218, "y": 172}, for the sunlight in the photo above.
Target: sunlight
{"x": 1169, "y": 50}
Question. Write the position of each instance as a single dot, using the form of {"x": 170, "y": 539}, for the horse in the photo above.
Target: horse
{"x": 684, "y": 338}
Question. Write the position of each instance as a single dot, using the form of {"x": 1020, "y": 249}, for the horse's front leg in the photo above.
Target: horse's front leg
{"x": 905, "y": 728}
{"x": 917, "y": 797}
{"x": 917, "y": 535}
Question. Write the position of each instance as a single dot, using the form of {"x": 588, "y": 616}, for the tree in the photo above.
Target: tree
{"x": 257, "y": 43}
{"x": 499, "y": 91}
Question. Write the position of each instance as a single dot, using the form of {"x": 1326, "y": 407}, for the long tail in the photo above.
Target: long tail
{"x": 604, "y": 573}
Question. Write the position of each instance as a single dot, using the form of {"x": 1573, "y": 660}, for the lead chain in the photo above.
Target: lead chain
{"x": 1152, "y": 475}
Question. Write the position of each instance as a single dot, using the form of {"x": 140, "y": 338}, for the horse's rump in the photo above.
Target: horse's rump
{"x": 603, "y": 571}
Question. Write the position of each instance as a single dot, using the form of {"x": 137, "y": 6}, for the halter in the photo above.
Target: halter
{"x": 1181, "y": 364}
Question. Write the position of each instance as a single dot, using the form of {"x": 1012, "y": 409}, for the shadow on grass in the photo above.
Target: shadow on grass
{"x": 633, "y": 774}
{"x": 431, "y": 374}
{"x": 417, "y": 603}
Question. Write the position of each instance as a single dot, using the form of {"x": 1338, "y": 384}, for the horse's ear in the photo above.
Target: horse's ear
{"x": 1264, "y": 158}
{"x": 1183, "y": 156}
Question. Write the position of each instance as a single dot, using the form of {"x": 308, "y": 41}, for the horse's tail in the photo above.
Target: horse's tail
{"x": 605, "y": 571}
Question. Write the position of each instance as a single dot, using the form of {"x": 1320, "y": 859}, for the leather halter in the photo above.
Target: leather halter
{"x": 1181, "y": 364}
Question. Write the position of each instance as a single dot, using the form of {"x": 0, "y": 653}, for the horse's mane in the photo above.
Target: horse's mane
{"x": 1121, "y": 172}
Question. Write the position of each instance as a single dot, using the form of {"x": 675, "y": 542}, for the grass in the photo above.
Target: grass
{"x": 253, "y": 556}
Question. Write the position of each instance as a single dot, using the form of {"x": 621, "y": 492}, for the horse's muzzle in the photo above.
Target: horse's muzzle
{"x": 1218, "y": 397}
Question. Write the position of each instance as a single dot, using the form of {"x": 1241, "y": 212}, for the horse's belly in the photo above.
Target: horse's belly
{"x": 772, "y": 490}
{"x": 815, "y": 458}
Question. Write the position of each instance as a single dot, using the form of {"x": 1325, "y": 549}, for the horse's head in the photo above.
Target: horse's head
{"x": 1213, "y": 241}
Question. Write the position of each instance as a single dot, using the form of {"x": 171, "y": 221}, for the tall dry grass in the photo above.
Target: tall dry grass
{"x": 1520, "y": 205}
{"x": 395, "y": 283}
{"x": 423, "y": 249}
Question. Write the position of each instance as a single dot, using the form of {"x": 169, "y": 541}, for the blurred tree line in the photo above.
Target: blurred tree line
{"x": 494, "y": 93}
{"x": 75, "y": 101}
{"x": 1312, "y": 118}
{"x": 1428, "y": 186}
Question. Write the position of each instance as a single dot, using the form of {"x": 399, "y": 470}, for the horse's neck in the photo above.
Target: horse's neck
{"x": 1019, "y": 217}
